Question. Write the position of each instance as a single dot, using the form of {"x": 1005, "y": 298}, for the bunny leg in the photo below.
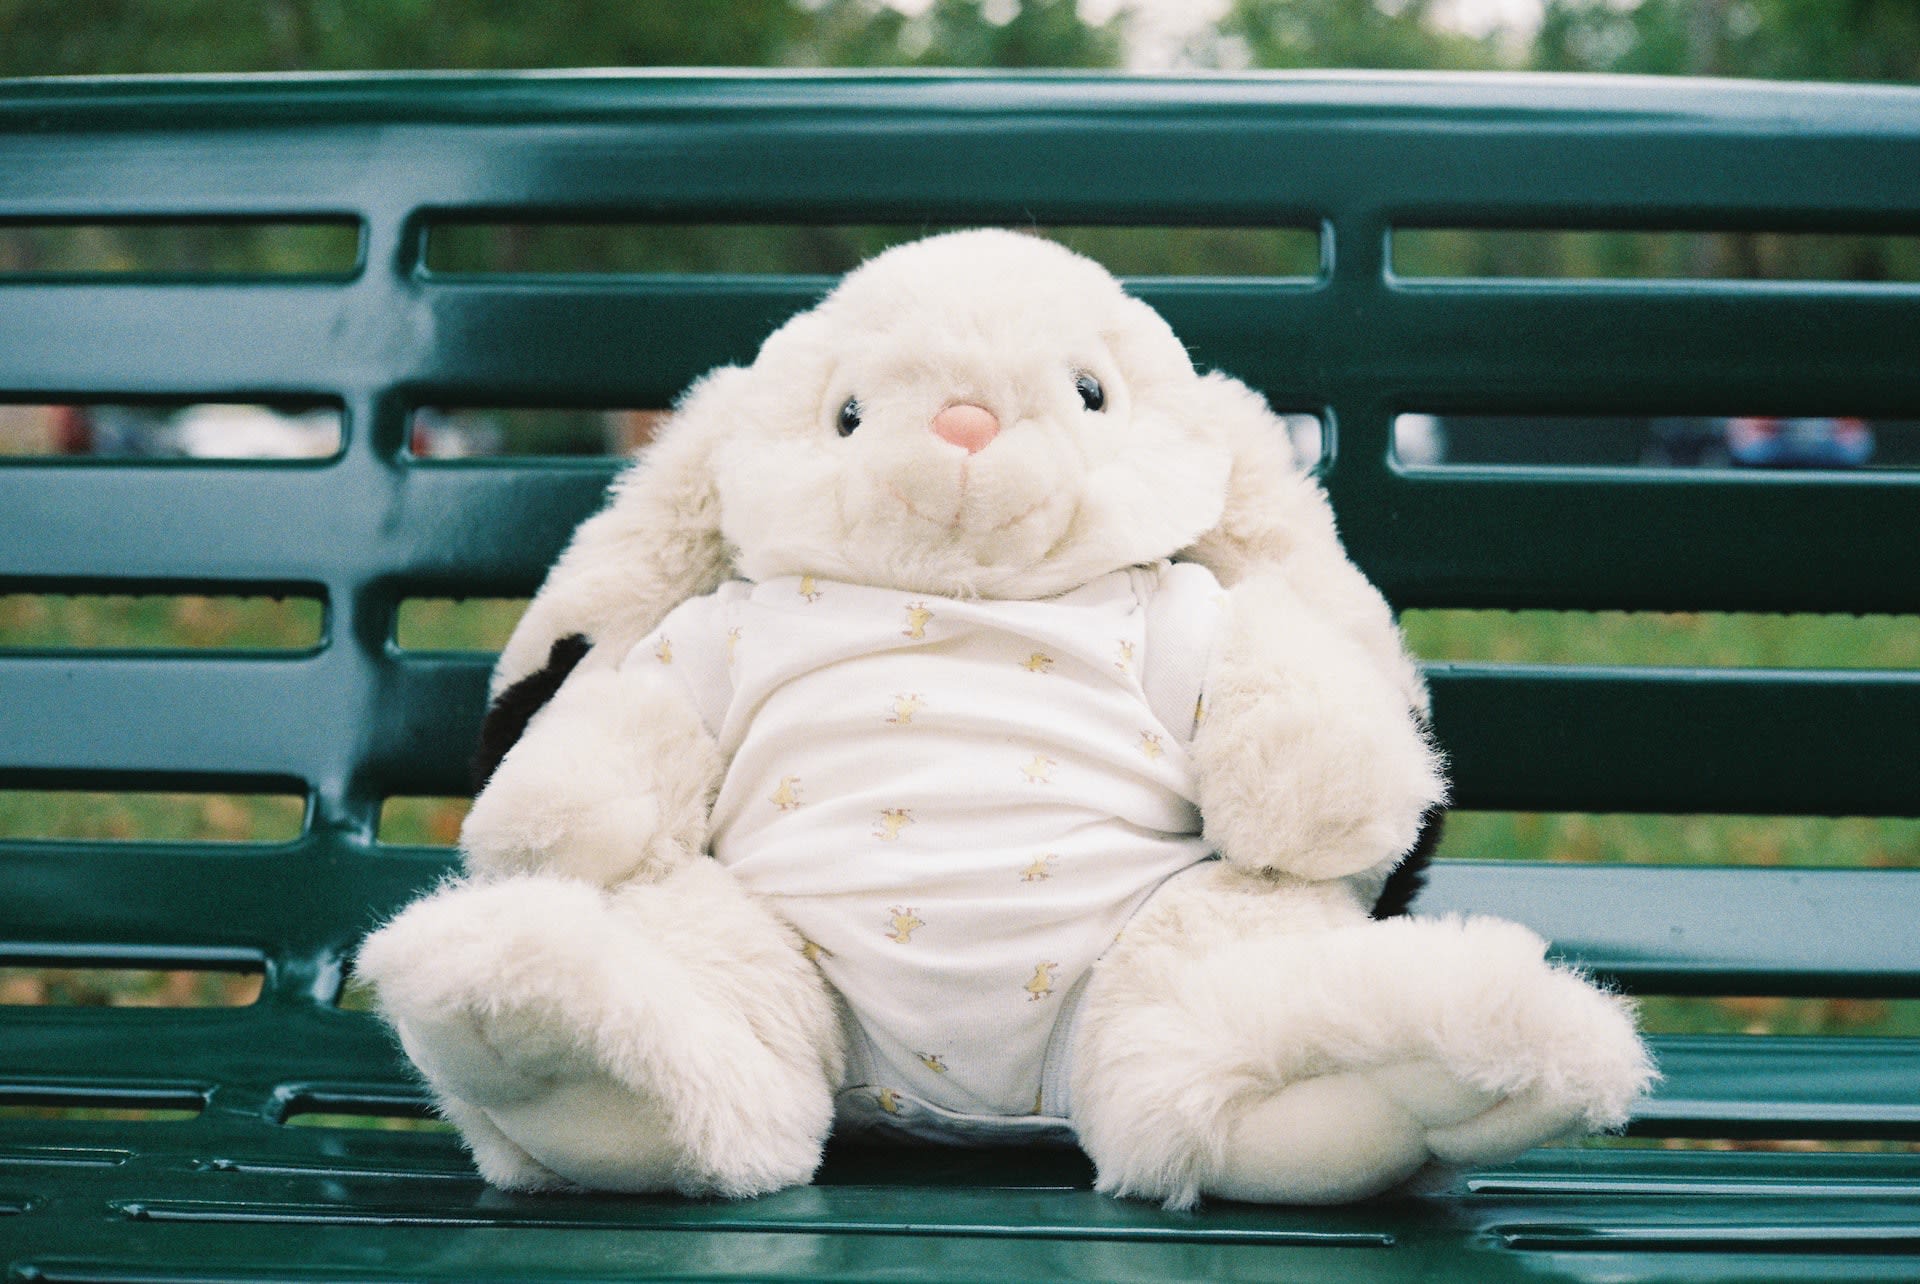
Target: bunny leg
{"x": 660, "y": 1036}
{"x": 1329, "y": 1064}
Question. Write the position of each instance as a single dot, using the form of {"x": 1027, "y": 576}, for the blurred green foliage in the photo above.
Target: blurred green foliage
{"x": 1772, "y": 39}
{"x": 748, "y": 249}
{"x": 1799, "y": 39}
{"x": 99, "y": 37}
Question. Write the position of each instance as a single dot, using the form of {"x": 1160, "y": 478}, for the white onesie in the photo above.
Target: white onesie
{"x": 958, "y": 804}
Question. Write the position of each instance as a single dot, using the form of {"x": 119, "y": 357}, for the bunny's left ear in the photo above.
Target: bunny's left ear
{"x": 655, "y": 544}
{"x": 1277, "y": 519}
{"x": 1277, "y": 522}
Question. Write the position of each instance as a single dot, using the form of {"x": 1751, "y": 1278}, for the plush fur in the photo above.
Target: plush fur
{"x": 598, "y": 1003}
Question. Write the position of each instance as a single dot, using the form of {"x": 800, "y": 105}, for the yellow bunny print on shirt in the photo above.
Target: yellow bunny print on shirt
{"x": 1040, "y": 869}
{"x": 903, "y": 923}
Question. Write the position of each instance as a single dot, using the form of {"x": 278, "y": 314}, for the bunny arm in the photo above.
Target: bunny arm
{"x": 612, "y": 781}
{"x": 1309, "y": 760}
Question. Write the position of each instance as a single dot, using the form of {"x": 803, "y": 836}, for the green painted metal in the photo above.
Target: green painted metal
{"x": 237, "y": 1192}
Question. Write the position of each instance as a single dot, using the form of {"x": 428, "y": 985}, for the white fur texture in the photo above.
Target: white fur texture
{"x": 655, "y": 544}
{"x": 666, "y": 1036}
{"x": 601, "y": 1006}
{"x": 1277, "y": 520}
{"x": 1005, "y": 322}
{"x": 1231, "y": 1044}
{"x": 1310, "y": 760}
{"x": 612, "y": 780}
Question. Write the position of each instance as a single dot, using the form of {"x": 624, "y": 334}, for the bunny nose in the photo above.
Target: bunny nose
{"x": 967, "y": 426}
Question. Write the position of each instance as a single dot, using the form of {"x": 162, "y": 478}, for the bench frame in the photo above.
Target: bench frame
{"x": 235, "y": 1193}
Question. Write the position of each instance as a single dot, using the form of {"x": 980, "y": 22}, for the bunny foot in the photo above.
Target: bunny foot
{"x": 578, "y": 1036}
{"x": 1332, "y": 1065}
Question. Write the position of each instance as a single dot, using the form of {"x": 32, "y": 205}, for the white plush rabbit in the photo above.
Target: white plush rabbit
{"x": 981, "y": 734}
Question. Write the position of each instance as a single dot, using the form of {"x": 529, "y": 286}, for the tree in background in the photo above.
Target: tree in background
{"x": 963, "y": 33}
{"x": 101, "y": 37}
{"x": 1803, "y": 39}
{"x": 1769, "y": 39}
{"x": 1339, "y": 33}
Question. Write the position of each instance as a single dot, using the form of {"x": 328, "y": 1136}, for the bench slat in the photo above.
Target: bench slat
{"x": 1765, "y": 741}
{"x": 215, "y": 526}
{"x": 300, "y": 905}
{"x": 1595, "y": 540}
{"x": 1666, "y": 929}
{"x": 1431, "y": 146}
{"x": 253, "y": 1052}
{"x": 252, "y": 722}
{"x": 920, "y": 1215}
{"x": 914, "y": 1216}
{"x": 1661, "y": 347}
{"x": 1547, "y": 538}
{"x": 1743, "y": 1085}
{"x": 1715, "y": 1086}
{"x": 187, "y": 340}
{"x": 1705, "y": 929}
{"x": 1521, "y": 737}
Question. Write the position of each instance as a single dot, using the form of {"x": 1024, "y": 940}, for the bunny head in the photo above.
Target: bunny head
{"x": 978, "y": 413}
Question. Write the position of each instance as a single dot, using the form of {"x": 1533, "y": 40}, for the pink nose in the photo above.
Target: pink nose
{"x": 967, "y": 426}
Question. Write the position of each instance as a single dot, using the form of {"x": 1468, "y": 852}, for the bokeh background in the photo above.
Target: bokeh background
{"x": 1847, "y": 40}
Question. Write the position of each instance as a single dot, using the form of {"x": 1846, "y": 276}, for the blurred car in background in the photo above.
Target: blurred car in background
{"x": 204, "y": 430}
{"x": 1799, "y": 443}
{"x": 1760, "y": 442}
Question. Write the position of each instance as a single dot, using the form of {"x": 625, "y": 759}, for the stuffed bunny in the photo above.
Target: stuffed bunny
{"x": 964, "y": 722}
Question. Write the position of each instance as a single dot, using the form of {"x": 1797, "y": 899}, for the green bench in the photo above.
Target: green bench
{"x": 235, "y": 1193}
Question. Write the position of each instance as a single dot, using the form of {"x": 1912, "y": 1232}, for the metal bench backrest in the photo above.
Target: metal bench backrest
{"x": 357, "y": 721}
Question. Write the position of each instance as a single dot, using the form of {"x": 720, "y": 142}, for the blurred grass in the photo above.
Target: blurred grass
{"x": 184, "y": 623}
{"x": 421, "y": 822}
{"x": 101, "y": 816}
{"x": 755, "y": 249}
{"x": 1705, "y": 640}
{"x": 127, "y": 988}
{"x": 1850, "y": 842}
{"x": 470, "y": 624}
{"x": 99, "y": 1114}
{"x": 193, "y": 248}
{"x": 376, "y": 1123}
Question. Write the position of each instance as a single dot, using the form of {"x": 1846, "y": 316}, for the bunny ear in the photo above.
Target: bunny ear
{"x": 656, "y": 544}
{"x": 1277, "y": 520}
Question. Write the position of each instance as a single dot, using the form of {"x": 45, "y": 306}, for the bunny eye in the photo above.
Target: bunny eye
{"x": 849, "y": 417}
{"x": 1092, "y": 396}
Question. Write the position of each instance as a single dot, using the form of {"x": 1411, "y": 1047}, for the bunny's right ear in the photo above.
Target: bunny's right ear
{"x": 655, "y": 544}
